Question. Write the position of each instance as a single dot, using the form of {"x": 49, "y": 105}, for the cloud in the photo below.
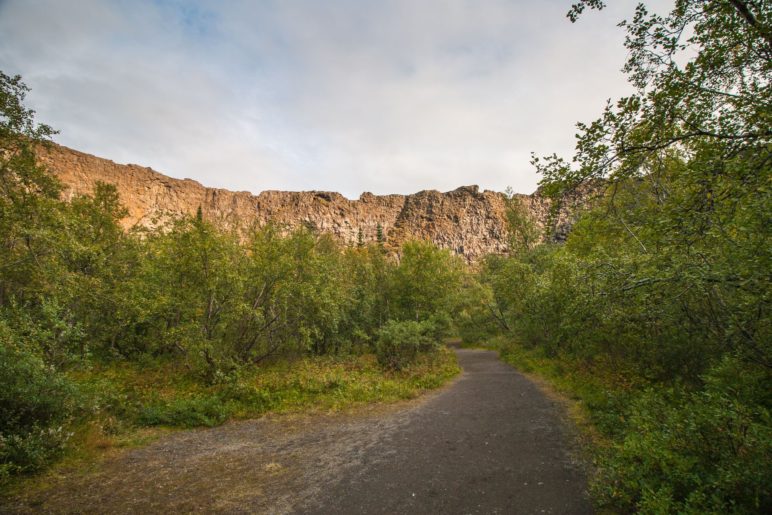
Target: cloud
{"x": 389, "y": 96}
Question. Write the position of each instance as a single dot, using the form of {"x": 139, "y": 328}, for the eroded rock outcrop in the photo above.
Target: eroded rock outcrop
{"x": 467, "y": 221}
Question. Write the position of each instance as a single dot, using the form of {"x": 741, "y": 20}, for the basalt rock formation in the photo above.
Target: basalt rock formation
{"x": 467, "y": 221}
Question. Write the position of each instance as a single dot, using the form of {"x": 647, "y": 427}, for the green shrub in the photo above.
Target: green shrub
{"x": 36, "y": 404}
{"x": 441, "y": 325}
{"x": 30, "y": 450}
{"x": 399, "y": 343}
{"x": 708, "y": 451}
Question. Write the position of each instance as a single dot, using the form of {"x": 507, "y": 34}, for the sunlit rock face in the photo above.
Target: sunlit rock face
{"x": 466, "y": 221}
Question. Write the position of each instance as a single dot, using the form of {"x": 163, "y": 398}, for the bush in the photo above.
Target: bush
{"x": 399, "y": 343}
{"x": 36, "y": 404}
{"x": 31, "y": 450}
{"x": 708, "y": 451}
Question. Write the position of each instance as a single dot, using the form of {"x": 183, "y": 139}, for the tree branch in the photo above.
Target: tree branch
{"x": 742, "y": 8}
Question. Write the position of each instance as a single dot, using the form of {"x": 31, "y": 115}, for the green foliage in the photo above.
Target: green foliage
{"x": 426, "y": 281}
{"x": 701, "y": 75}
{"x": 36, "y": 406}
{"x": 707, "y": 451}
{"x": 400, "y": 343}
{"x": 523, "y": 233}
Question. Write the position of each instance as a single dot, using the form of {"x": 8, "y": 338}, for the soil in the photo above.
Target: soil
{"x": 491, "y": 442}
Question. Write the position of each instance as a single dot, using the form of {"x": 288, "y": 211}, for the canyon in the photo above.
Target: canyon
{"x": 467, "y": 221}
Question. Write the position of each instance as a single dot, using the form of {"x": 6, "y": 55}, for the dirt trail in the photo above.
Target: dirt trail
{"x": 489, "y": 443}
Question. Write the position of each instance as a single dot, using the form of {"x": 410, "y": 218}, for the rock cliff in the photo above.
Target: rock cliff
{"x": 467, "y": 221}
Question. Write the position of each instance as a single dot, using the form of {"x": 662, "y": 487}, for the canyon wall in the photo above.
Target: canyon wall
{"x": 466, "y": 221}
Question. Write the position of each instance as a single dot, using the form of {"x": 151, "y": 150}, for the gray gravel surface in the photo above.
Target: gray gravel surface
{"x": 492, "y": 443}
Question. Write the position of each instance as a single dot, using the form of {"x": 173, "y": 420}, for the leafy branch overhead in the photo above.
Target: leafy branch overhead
{"x": 701, "y": 73}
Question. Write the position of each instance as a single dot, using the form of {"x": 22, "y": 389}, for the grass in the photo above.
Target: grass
{"x": 129, "y": 405}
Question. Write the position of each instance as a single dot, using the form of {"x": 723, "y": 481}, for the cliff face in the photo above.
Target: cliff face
{"x": 468, "y": 222}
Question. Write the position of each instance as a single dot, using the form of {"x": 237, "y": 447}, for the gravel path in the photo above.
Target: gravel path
{"x": 491, "y": 442}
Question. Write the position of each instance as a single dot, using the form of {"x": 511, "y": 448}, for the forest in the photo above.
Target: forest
{"x": 653, "y": 316}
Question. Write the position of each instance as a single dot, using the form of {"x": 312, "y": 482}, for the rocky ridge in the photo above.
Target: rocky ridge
{"x": 467, "y": 221}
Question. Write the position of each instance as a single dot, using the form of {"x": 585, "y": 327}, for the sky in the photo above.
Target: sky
{"x": 388, "y": 96}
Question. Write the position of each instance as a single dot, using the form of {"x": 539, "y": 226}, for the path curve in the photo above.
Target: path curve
{"x": 489, "y": 443}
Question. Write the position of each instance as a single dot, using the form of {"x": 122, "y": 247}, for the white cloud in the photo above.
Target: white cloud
{"x": 347, "y": 95}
